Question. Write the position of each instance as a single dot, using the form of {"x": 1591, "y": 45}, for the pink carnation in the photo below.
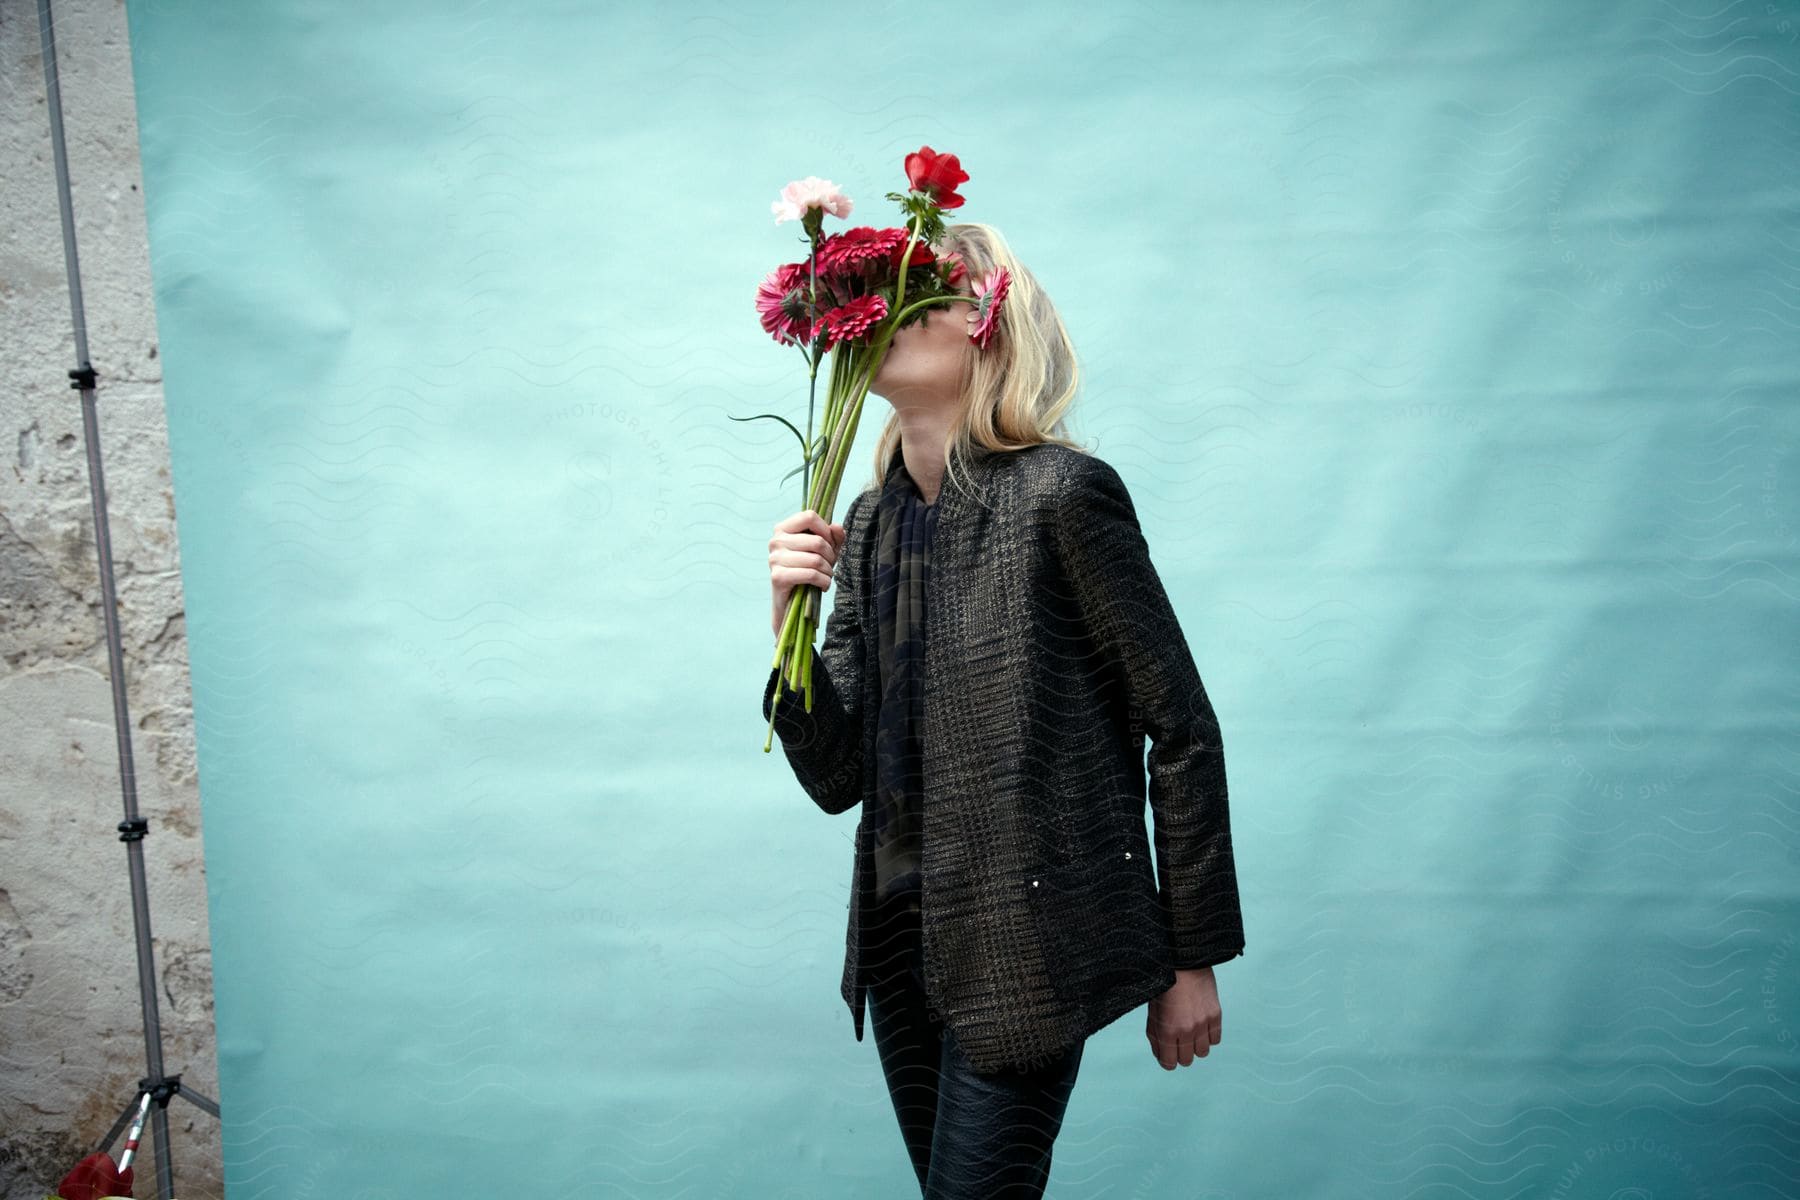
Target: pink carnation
{"x": 811, "y": 192}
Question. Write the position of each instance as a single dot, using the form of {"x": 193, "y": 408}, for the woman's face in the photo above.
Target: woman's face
{"x": 925, "y": 361}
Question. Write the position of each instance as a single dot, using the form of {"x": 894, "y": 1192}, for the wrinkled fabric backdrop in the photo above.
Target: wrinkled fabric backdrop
{"x": 1449, "y": 355}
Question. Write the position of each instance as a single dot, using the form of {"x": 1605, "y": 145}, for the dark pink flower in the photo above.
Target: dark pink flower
{"x": 958, "y": 270}
{"x": 781, "y": 303}
{"x": 852, "y": 322}
{"x": 846, "y": 254}
{"x": 989, "y": 294}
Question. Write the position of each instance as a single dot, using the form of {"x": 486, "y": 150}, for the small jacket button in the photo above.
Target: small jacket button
{"x": 1034, "y": 883}
{"x": 1128, "y": 854}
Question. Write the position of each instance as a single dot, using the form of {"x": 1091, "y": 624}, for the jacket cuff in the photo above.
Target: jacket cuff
{"x": 816, "y": 743}
{"x": 793, "y": 723}
{"x": 1210, "y": 957}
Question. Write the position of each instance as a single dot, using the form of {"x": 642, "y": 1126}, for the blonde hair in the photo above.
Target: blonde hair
{"x": 1016, "y": 391}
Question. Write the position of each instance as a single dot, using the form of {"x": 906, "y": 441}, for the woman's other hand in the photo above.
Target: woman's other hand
{"x": 1184, "y": 1021}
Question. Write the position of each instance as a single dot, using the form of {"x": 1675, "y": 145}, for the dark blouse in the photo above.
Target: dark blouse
{"x": 903, "y": 528}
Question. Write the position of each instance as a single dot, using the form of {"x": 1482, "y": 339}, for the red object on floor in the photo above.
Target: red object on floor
{"x": 95, "y": 1176}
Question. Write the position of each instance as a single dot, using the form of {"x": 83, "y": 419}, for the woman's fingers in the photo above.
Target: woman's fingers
{"x": 802, "y": 550}
{"x": 804, "y": 521}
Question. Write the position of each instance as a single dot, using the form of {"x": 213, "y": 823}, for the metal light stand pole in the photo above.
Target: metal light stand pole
{"x": 160, "y": 1088}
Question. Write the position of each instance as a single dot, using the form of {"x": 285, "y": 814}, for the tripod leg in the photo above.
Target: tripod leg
{"x": 119, "y": 1126}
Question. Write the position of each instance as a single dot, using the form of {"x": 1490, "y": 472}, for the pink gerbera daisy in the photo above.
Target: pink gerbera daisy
{"x": 989, "y": 293}
{"x": 781, "y": 304}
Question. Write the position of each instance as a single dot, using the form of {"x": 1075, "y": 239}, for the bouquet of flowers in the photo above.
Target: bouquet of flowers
{"x": 852, "y": 293}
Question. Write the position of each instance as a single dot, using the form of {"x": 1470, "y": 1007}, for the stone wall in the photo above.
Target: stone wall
{"x": 71, "y": 1027}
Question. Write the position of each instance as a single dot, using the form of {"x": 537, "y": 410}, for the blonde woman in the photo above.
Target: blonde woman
{"x": 999, "y": 646}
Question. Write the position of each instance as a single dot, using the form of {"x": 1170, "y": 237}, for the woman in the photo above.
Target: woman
{"x": 1002, "y": 902}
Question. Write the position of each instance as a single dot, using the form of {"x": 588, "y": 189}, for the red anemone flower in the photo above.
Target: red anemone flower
{"x": 921, "y": 255}
{"x": 937, "y": 175}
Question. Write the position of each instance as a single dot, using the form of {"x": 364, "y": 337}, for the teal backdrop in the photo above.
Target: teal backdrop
{"x": 1449, "y": 353}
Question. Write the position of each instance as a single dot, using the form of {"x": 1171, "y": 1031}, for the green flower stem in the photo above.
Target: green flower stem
{"x": 801, "y": 622}
{"x": 812, "y": 357}
{"x": 906, "y": 261}
{"x": 914, "y": 307}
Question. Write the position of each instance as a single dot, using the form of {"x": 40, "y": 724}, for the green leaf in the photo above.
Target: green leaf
{"x": 800, "y": 437}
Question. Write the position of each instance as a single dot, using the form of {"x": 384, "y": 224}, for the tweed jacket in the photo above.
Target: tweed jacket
{"x": 1051, "y": 652}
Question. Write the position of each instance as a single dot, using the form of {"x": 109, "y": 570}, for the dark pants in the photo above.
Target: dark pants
{"x": 971, "y": 1136}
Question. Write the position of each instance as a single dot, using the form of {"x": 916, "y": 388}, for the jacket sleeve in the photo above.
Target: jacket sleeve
{"x": 1123, "y": 602}
{"x": 824, "y": 746}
